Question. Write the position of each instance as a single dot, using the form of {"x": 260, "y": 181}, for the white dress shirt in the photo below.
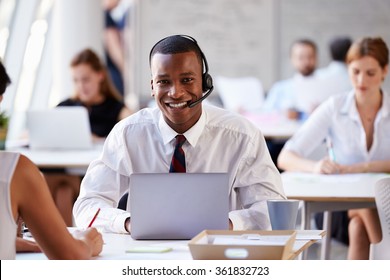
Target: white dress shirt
{"x": 220, "y": 141}
{"x": 338, "y": 118}
{"x": 8, "y": 226}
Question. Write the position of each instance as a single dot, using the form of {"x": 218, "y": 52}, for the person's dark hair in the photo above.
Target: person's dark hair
{"x": 176, "y": 44}
{"x": 89, "y": 57}
{"x": 304, "y": 41}
{"x": 4, "y": 79}
{"x": 339, "y": 47}
{"x": 374, "y": 47}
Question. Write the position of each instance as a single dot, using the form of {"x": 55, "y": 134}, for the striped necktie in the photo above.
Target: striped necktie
{"x": 178, "y": 163}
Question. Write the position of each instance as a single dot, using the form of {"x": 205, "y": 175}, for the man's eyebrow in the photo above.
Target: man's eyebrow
{"x": 187, "y": 73}
{"x": 184, "y": 74}
{"x": 162, "y": 76}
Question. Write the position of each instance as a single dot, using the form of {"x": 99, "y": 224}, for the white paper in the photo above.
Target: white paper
{"x": 267, "y": 240}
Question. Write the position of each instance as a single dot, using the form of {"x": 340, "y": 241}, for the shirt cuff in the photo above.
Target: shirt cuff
{"x": 236, "y": 220}
{"x": 119, "y": 222}
{"x": 247, "y": 219}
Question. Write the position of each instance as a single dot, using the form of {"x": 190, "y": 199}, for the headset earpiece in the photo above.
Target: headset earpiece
{"x": 207, "y": 82}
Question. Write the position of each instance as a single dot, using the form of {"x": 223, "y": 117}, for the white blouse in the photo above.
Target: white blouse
{"x": 8, "y": 226}
{"x": 339, "y": 119}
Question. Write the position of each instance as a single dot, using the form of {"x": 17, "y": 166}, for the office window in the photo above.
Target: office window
{"x": 7, "y": 8}
{"x": 32, "y": 56}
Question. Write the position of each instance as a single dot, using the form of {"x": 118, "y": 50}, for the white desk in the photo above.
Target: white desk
{"x": 274, "y": 125}
{"x": 326, "y": 193}
{"x": 115, "y": 246}
{"x": 60, "y": 158}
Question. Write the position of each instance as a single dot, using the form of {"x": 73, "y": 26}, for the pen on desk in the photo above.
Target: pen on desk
{"x": 94, "y": 218}
{"x": 329, "y": 147}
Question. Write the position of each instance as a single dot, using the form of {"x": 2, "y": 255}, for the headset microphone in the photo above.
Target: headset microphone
{"x": 193, "y": 104}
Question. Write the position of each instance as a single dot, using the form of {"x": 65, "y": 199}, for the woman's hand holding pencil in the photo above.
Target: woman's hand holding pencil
{"x": 91, "y": 236}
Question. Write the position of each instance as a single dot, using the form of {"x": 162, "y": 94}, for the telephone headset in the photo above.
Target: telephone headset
{"x": 207, "y": 80}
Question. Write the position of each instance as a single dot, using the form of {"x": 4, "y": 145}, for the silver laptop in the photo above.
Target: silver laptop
{"x": 59, "y": 128}
{"x": 177, "y": 205}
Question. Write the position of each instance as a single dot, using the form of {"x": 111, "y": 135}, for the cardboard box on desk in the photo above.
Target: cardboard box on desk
{"x": 242, "y": 245}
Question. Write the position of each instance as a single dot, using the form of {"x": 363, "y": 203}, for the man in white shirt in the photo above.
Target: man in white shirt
{"x": 296, "y": 96}
{"x": 216, "y": 141}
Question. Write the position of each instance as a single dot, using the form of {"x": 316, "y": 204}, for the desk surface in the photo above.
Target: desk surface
{"x": 274, "y": 125}
{"x": 115, "y": 246}
{"x": 60, "y": 158}
{"x": 330, "y": 193}
{"x": 319, "y": 187}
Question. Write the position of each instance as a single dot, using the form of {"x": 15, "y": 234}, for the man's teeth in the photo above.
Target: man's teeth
{"x": 177, "y": 105}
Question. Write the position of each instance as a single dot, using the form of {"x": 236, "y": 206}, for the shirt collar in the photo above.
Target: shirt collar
{"x": 349, "y": 106}
{"x": 192, "y": 135}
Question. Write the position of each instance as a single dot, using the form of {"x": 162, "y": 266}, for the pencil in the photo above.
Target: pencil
{"x": 329, "y": 147}
{"x": 94, "y": 218}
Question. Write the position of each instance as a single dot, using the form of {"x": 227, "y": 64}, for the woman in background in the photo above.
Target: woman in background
{"x": 94, "y": 91}
{"x": 24, "y": 194}
{"x": 358, "y": 124}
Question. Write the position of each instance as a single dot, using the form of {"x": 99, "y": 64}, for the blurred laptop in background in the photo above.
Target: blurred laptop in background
{"x": 59, "y": 128}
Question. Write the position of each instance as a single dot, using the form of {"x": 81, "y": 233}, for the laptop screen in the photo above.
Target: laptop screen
{"x": 59, "y": 128}
{"x": 177, "y": 205}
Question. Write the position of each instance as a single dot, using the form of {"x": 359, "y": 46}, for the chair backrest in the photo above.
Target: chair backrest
{"x": 381, "y": 250}
{"x": 122, "y": 204}
{"x": 240, "y": 93}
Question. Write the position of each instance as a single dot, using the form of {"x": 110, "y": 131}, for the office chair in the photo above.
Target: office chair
{"x": 381, "y": 251}
{"x": 122, "y": 204}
